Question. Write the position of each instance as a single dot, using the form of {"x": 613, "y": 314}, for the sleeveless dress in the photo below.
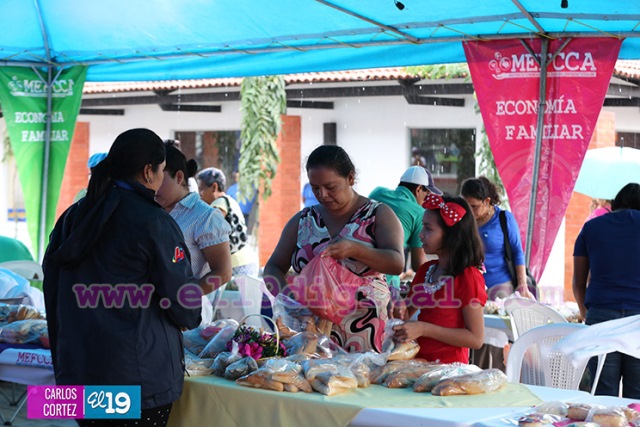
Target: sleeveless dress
{"x": 363, "y": 329}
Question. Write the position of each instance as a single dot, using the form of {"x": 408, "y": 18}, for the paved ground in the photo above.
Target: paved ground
{"x": 21, "y": 419}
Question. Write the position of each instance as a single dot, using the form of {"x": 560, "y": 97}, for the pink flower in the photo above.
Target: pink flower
{"x": 252, "y": 350}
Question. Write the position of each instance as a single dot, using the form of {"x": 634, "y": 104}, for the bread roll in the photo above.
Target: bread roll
{"x": 480, "y": 382}
{"x": 609, "y": 419}
{"x": 578, "y": 411}
{"x": 404, "y": 351}
{"x": 260, "y": 379}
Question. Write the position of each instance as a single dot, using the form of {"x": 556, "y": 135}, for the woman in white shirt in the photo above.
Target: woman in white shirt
{"x": 211, "y": 186}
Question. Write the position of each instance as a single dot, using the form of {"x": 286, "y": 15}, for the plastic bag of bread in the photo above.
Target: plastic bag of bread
{"x": 329, "y": 378}
{"x": 219, "y": 341}
{"x": 289, "y": 374}
{"x": 406, "y": 377}
{"x": 632, "y": 414}
{"x": 260, "y": 379}
{"x": 23, "y": 331}
{"x": 553, "y": 408}
{"x": 290, "y": 314}
{"x": 427, "y": 381}
{"x": 357, "y": 364}
{"x": 537, "y": 420}
{"x": 380, "y": 373}
{"x": 240, "y": 368}
{"x": 195, "y": 340}
{"x": 397, "y": 351}
{"x": 479, "y": 382}
{"x": 223, "y": 360}
{"x": 578, "y": 411}
{"x": 197, "y": 367}
{"x": 302, "y": 343}
{"x": 607, "y": 417}
{"x": 10, "y": 313}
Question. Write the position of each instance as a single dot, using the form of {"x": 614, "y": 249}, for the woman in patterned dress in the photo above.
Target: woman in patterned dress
{"x": 365, "y": 236}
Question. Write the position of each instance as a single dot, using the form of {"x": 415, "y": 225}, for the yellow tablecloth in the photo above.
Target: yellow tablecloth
{"x": 218, "y": 402}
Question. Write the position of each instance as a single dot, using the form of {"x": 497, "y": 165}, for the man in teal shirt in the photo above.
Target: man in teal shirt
{"x": 406, "y": 201}
{"x": 13, "y": 250}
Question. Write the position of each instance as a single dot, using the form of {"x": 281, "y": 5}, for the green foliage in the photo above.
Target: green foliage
{"x": 440, "y": 71}
{"x": 487, "y": 166}
{"x": 264, "y": 100}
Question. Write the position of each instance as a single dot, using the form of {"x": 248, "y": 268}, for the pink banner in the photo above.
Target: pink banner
{"x": 507, "y": 82}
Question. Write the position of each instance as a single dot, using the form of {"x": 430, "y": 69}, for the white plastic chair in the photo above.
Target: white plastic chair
{"x": 548, "y": 368}
{"x": 28, "y": 269}
{"x": 527, "y": 314}
{"x": 621, "y": 335}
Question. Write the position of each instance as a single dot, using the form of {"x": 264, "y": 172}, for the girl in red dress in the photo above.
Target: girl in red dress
{"x": 449, "y": 292}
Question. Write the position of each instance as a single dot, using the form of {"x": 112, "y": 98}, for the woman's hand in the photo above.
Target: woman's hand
{"x": 524, "y": 292}
{"x": 409, "y": 331}
{"x": 341, "y": 249}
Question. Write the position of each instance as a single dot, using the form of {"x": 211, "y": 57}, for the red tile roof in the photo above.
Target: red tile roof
{"x": 623, "y": 68}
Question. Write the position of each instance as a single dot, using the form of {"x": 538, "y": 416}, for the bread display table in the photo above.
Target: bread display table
{"x": 24, "y": 364}
{"x": 215, "y": 401}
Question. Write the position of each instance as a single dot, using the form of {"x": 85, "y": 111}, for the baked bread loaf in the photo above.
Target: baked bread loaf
{"x": 480, "y": 382}
{"x": 404, "y": 351}
{"x": 610, "y": 418}
{"x": 578, "y": 411}
{"x": 260, "y": 379}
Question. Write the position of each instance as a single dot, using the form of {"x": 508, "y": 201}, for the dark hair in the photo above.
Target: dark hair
{"x": 461, "y": 240}
{"x": 131, "y": 151}
{"x": 411, "y": 186}
{"x": 331, "y": 157}
{"x": 213, "y": 175}
{"x": 176, "y": 161}
{"x": 480, "y": 188}
{"x": 627, "y": 198}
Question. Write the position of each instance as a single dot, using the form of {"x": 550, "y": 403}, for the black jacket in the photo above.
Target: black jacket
{"x": 125, "y": 238}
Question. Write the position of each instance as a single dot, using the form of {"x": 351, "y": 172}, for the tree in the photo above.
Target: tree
{"x": 264, "y": 100}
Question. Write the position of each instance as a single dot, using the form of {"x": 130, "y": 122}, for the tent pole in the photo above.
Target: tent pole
{"x": 45, "y": 166}
{"x": 536, "y": 159}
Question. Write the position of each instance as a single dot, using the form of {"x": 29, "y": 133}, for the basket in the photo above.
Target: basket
{"x": 276, "y": 333}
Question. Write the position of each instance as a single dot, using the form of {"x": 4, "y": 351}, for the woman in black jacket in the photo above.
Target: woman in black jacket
{"x": 118, "y": 283}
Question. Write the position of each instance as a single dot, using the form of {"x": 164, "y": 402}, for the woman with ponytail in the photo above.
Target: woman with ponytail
{"x": 205, "y": 229}
{"x": 117, "y": 277}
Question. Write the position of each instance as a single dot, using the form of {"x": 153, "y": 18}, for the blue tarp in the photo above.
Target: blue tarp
{"x": 127, "y": 40}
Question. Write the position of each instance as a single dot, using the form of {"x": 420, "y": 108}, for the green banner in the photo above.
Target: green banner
{"x": 23, "y": 97}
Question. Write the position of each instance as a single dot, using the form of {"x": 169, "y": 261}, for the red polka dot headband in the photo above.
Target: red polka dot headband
{"x": 450, "y": 212}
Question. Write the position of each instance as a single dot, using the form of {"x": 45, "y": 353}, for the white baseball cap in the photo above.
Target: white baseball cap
{"x": 421, "y": 176}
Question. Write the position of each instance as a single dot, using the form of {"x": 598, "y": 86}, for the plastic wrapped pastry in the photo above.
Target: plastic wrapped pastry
{"x": 240, "y": 368}
{"x": 23, "y": 331}
{"x": 538, "y": 420}
{"x": 427, "y": 381}
{"x": 607, "y": 417}
{"x": 223, "y": 360}
{"x": 407, "y": 377}
{"x": 480, "y": 382}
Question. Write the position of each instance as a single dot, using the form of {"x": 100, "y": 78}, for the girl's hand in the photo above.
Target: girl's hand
{"x": 340, "y": 249}
{"x": 408, "y": 331}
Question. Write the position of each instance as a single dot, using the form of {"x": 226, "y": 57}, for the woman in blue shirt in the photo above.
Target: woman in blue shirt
{"x": 482, "y": 195}
{"x": 606, "y": 256}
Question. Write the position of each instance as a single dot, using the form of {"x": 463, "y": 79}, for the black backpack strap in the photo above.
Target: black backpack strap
{"x": 508, "y": 255}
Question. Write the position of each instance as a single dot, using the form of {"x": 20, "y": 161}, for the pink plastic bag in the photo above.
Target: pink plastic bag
{"x": 327, "y": 288}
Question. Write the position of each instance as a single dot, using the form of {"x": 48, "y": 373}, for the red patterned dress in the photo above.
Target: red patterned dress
{"x": 363, "y": 329}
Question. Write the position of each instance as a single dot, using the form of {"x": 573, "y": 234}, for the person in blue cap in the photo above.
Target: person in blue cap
{"x": 91, "y": 163}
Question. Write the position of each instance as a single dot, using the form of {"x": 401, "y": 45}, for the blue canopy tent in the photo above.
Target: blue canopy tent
{"x": 123, "y": 40}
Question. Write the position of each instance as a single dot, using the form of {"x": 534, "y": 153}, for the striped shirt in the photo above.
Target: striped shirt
{"x": 202, "y": 226}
